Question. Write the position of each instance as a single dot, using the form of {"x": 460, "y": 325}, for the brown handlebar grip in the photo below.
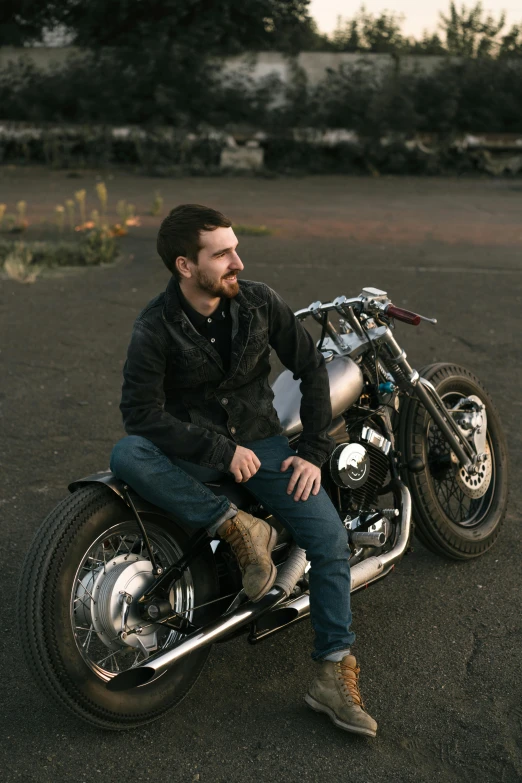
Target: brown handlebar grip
{"x": 403, "y": 315}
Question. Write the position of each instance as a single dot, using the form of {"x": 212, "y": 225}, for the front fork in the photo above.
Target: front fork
{"x": 409, "y": 379}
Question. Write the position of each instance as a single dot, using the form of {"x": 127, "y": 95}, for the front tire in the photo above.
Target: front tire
{"x": 447, "y": 520}
{"x": 60, "y": 632}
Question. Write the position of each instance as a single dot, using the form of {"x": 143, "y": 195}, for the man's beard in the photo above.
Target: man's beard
{"x": 216, "y": 287}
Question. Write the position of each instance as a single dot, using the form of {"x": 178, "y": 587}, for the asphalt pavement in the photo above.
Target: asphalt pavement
{"x": 439, "y": 642}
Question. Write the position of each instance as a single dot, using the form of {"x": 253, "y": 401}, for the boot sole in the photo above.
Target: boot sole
{"x": 318, "y": 707}
{"x": 273, "y": 572}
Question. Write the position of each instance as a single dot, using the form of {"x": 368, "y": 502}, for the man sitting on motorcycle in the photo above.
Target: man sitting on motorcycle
{"x": 197, "y": 405}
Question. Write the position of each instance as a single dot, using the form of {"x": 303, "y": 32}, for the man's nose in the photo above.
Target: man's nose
{"x": 236, "y": 262}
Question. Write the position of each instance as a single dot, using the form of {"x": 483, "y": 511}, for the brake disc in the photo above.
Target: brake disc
{"x": 476, "y": 485}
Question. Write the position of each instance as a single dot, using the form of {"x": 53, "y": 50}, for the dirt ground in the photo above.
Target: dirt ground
{"x": 438, "y": 641}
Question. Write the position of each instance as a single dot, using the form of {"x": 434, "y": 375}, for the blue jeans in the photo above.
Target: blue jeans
{"x": 314, "y": 523}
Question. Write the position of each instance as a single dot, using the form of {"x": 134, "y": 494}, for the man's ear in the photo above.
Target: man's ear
{"x": 182, "y": 265}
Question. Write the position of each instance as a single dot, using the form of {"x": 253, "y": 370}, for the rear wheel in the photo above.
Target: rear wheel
{"x": 456, "y": 515}
{"x": 79, "y": 579}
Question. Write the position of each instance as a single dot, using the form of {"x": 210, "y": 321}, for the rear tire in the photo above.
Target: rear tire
{"x": 47, "y": 622}
{"x": 458, "y": 532}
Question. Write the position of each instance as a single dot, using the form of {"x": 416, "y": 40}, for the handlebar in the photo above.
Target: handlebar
{"x": 403, "y": 315}
{"x": 317, "y": 309}
{"x": 371, "y": 301}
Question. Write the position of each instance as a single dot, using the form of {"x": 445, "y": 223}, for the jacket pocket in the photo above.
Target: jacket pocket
{"x": 255, "y": 347}
{"x": 188, "y": 367}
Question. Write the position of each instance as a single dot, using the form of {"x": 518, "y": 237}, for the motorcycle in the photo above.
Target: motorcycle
{"x": 119, "y": 603}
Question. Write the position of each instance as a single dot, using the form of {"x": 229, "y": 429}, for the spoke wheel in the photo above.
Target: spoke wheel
{"x": 85, "y": 555}
{"x": 455, "y": 515}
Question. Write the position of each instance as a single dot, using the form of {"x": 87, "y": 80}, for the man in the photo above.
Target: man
{"x": 196, "y": 404}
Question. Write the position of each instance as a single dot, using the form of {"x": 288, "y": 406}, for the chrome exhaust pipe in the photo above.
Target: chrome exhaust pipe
{"x": 282, "y": 616}
{"x": 378, "y": 566}
{"x": 156, "y": 665}
{"x": 361, "y": 574}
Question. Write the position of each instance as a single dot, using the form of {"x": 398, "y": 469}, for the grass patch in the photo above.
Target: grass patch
{"x": 253, "y": 231}
{"x": 23, "y": 261}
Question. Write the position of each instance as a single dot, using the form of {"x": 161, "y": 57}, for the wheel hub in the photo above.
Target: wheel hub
{"x": 107, "y": 600}
{"x": 476, "y": 485}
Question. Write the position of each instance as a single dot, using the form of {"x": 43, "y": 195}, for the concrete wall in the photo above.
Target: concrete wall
{"x": 43, "y": 57}
{"x": 315, "y": 64}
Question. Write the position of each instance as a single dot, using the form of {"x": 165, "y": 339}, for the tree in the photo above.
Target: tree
{"x": 428, "y": 44}
{"x": 366, "y": 32}
{"x": 172, "y": 50}
{"x": 464, "y": 32}
{"x": 24, "y": 21}
{"x": 511, "y": 43}
{"x": 301, "y": 37}
{"x": 347, "y": 36}
{"x": 471, "y": 33}
{"x": 382, "y": 34}
{"x": 203, "y": 26}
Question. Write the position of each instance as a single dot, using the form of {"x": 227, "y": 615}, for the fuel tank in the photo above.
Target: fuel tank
{"x": 346, "y": 384}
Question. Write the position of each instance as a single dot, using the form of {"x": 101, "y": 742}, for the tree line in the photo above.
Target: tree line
{"x": 205, "y": 28}
{"x": 462, "y": 32}
{"x": 161, "y": 62}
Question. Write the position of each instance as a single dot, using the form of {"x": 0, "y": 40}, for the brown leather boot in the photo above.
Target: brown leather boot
{"x": 252, "y": 540}
{"x": 335, "y": 691}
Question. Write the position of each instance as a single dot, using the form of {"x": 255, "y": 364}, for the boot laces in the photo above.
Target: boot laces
{"x": 349, "y": 677}
{"x": 241, "y": 545}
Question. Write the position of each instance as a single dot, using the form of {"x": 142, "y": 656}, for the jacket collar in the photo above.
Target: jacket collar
{"x": 197, "y": 318}
{"x": 172, "y": 310}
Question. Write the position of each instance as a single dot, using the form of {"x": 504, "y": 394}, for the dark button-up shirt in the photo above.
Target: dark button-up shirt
{"x": 216, "y": 327}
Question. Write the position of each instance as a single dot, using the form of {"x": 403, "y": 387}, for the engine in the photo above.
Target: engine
{"x": 361, "y": 467}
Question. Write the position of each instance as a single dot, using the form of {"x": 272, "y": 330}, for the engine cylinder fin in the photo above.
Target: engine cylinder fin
{"x": 365, "y": 496}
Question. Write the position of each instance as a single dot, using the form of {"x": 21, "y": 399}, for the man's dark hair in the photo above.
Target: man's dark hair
{"x": 179, "y": 232}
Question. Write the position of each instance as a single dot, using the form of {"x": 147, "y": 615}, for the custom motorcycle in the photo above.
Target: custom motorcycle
{"x": 120, "y": 602}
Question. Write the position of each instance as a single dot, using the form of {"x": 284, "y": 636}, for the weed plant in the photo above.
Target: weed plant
{"x": 80, "y": 198}
{"x": 94, "y": 248}
{"x": 18, "y": 264}
{"x": 70, "y": 206}
{"x": 157, "y": 205}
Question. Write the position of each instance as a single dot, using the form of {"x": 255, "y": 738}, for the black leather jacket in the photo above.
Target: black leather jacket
{"x": 175, "y": 389}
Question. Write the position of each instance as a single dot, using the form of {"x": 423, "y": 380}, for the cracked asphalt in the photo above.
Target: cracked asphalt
{"x": 439, "y": 642}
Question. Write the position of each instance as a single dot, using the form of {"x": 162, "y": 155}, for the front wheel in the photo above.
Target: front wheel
{"x": 454, "y": 516}
{"x": 85, "y": 561}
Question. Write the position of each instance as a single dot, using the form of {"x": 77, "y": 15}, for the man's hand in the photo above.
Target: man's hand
{"x": 305, "y": 475}
{"x": 244, "y": 464}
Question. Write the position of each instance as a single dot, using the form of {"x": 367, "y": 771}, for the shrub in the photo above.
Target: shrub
{"x": 288, "y": 155}
{"x": 383, "y": 108}
{"x": 82, "y": 146}
{"x": 94, "y": 248}
{"x": 95, "y": 91}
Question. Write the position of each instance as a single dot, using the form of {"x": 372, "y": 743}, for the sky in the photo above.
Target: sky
{"x": 419, "y": 16}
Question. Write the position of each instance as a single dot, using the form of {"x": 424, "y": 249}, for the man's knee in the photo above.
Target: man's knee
{"x": 127, "y": 451}
{"x": 326, "y": 544}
